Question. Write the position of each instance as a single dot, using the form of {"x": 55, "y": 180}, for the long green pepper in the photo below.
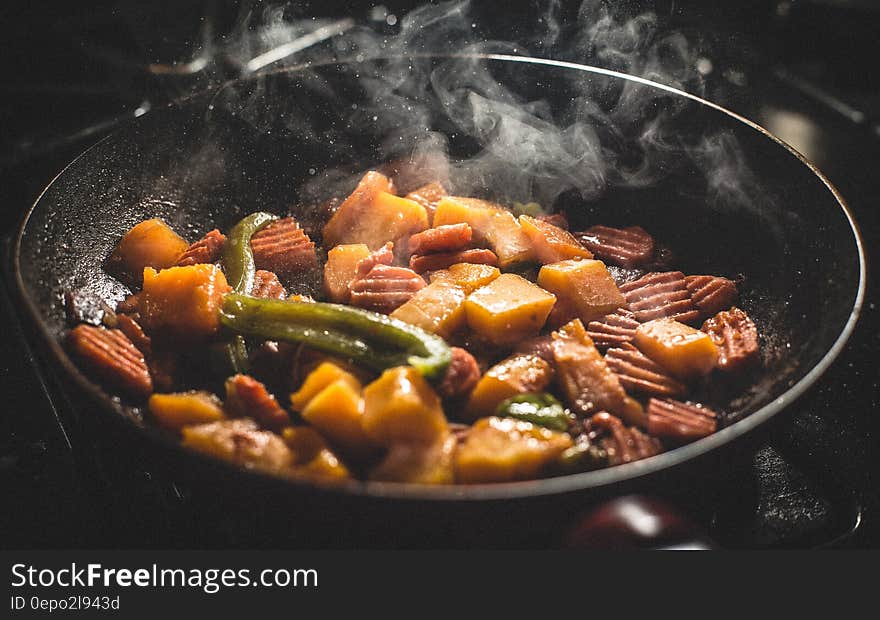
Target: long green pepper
{"x": 237, "y": 259}
{"x": 360, "y": 335}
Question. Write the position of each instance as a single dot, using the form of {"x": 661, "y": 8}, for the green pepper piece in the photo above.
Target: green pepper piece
{"x": 541, "y": 409}
{"x": 237, "y": 256}
{"x": 370, "y": 338}
{"x": 582, "y": 456}
{"x": 237, "y": 259}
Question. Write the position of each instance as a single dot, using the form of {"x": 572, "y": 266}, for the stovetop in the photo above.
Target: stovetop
{"x": 813, "y": 483}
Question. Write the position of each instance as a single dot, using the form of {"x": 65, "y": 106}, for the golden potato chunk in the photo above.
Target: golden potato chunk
{"x": 373, "y": 215}
{"x": 583, "y": 285}
{"x": 508, "y": 309}
{"x": 468, "y": 276}
{"x": 419, "y": 463}
{"x": 587, "y": 383}
{"x": 241, "y": 442}
{"x": 183, "y": 302}
{"x": 174, "y": 411}
{"x": 400, "y": 406}
{"x": 679, "y": 348}
{"x": 323, "y": 375}
{"x": 505, "y": 450}
{"x": 341, "y": 269}
{"x": 518, "y": 374}
{"x": 311, "y": 455}
{"x": 150, "y": 243}
{"x": 491, "y": 223}
{"x": 337, "y": 411}
{"x": 551, "y": 243}
{"x": 437, "y": 308}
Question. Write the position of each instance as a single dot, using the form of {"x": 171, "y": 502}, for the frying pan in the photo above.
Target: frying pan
{"x": 762, "y": 210}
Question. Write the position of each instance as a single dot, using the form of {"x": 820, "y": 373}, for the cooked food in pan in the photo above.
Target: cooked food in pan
{"x": 426, "y": 338}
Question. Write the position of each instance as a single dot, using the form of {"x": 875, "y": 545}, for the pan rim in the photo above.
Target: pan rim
{"x": 570, "y": 483}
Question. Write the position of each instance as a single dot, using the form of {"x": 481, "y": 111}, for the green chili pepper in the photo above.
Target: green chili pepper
{"x": 370, "y": 338}
{"x": 582, "y": 456}
{"x": 237, "y": 259}
{"x": 541, "y": 409}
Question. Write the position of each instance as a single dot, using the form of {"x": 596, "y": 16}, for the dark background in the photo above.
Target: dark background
{"x": 805, "y": 70}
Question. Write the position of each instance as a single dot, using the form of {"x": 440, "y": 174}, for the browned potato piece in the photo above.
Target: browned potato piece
{"x": 437, "y": 308}
{"x": 373, "y": 215}
{"x": 420, "y": 463}
{"x": 551, "y": 243}
{"x": 400, "y": 406}
{"x": 518, "y": 374}
{"x": 679, "y": 348}
{"x": 341, "y": 270}
{"x": 174, "y": 411}
{"x": 505, "y": 450}
{"x": 311, "y": 455}
{"x": 150, "y": 243}
{"x": 468, "y": 276}
{"x": 183, "y": 302}
{"x": 241, "y": 442}
{"x": 587, "y": 383}
{"x": 584, "y": 285}
{"x": 508, "y": 309}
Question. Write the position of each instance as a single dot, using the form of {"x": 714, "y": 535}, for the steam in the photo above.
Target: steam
{"x": 609, "y": 133}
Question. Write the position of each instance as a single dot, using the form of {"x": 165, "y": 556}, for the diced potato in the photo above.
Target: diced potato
{"x": 587, "y": 383}
{"x": 174, "y": 411}
{"x": 551, "y": 243}
{"x": 505, "y": 450}
{"x": 400, "y": 406}
{"x": 680, "y": 349}
{"x": 322, "y": 376}
{"x": 150, "y": 243}
{"x": 468, "y": 276}
{"x": 311, "y": 455}
{"x": 183, "y": 302}
{"x": 437, "y": 308}
{"x": 490, "y": 222}
{"x": 242, "y": 443}
{"x": 419, "y": 463}
{"x": 518, "y": 374}
{"x": 584, "y": 285}
{"x": 337, "y": 412}
{"x": 341, "y": 269}
{"x": 373, "y": 215}
{"x": 508, "y": 309}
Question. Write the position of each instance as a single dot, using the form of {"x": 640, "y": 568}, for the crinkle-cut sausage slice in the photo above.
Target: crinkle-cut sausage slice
{"x": 660, "y": 295}
{"x": 385, "y": 288}
{"x": 461, "y": 376}
{"x": 446, "y": 238}
{"x": 442, "y": 260}
{"x": 736, "y": 337}
{"x": 382, "y": 256}
{"x": 205, "y": 250}
{"x": 284, "y": 248}
{"x": 627, "y": 247}
{"x": 247, "y": 397}
{"x": 639, "y": 374}
{"x": 112, "y": 357}
{"x": 613, "y": 330}
{"x": 681, "y": 422}
{"x": 711, "y": 294}
{"x": 428, "y": 196}
{"x": 623, "y": 444}
{"x": 267, "y": 285}
{"x": 135, "y": 333}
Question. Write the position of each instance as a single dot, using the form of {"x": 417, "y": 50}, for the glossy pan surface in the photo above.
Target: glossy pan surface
{"x": 728, "y": 197}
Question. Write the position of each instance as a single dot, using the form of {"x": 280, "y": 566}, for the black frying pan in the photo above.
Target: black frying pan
{"x": 762, "y": 211}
